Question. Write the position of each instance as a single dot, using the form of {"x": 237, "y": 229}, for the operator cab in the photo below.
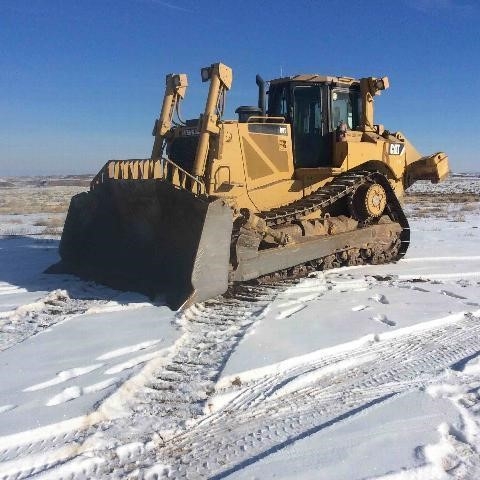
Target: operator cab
{"x": 315, "y": 106}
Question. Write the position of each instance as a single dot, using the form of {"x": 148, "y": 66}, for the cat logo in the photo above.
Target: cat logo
{"x": 396, "y": 148}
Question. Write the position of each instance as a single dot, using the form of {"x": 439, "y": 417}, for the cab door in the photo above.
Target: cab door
{"x": 310, "y": 140}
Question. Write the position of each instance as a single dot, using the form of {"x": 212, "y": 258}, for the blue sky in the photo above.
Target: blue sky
{"x": 81, "y": 81}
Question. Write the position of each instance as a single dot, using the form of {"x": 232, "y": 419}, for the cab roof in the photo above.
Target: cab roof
{"x": 315, "y": 78}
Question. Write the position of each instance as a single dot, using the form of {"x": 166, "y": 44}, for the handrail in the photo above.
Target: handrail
{"x": 98, "y": 178}
{"x": 195, "y": 180}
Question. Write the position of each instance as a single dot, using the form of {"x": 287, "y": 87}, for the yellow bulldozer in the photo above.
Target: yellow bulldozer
{"x": 302, "y": 181}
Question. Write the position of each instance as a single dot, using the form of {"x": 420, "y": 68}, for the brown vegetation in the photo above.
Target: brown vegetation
{"x": 454, "y": 205}
{"x": 24, "y": 200}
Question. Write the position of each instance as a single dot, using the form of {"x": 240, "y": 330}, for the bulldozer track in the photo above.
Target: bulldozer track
{"x": 341, "y": 188}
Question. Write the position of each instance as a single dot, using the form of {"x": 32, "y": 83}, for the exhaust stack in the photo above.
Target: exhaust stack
{"x": 261, "y": 94}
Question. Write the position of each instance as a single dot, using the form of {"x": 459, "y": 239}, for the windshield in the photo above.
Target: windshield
{"x": 346, "y": 107}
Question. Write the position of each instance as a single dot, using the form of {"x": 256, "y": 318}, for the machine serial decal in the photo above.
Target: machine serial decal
{"x": 189, "y": 132}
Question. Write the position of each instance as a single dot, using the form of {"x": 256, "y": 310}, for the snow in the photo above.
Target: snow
{"x": 356, "y": 449}
{"x": 71, "y": 360}
{"x": 63, "y": 376}
{"x": 367, "y": 372}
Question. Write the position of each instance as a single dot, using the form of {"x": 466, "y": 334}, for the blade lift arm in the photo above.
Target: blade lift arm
{"x": 369, "y": 87}
{"x": 175, "y": 88}
{"x": 220, "y": 77}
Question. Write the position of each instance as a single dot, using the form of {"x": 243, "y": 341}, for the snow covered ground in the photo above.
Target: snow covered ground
{"x": 368, "y": 372}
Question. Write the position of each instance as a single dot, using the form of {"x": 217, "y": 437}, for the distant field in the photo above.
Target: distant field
{"x": 38, "y": 205}
{"x": 455, "y": 197}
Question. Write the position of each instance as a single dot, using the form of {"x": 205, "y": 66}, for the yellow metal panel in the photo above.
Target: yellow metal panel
{"x": 274, "y": 149}
{"x": 276, "y": 194}
{"x": 257, "y": 164}
{"x": 229, "y": 166}
{"x": 267, "y": 156}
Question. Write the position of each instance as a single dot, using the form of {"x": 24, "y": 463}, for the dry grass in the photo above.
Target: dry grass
{"x": 51, "y": 222}
{"x": 28, "y": 197}
{"x": 466, "y": 198}
{"x": 445, "y": 205}
{"x": 31, "y": 199}
{"x": 52, "y": 231}
{"x": 51, "y": 199}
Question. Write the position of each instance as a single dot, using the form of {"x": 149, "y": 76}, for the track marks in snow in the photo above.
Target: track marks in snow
{"x": 158, "y": 471}
{"x": 456, "y": 454}
{"x": 359, "y": 308}
{"x": 114, "y": 306}
{"x": 83, "y": 466}
{"x": 37, "y": 463}
{"x": 379, "y": 298}
{"x": 6, "y": 408}
{"x": 452, "y": 294}
{"x": 130, "y": 349}
{"x": 211, "y": 330}
{"x": 267, "y": 418}
{"x": 272, "y": 409}
{"x": 43, "y": 440}
{"x": 384, "y": 319}
{"x": 63, "y": 376}
{"x": 76, "y": 391}
{"x": 287, "y": 312}
{"x": 310, "y": 378}
{"x": 130, "y": 451}
{"x": 35, "y": 317}
{"x": 310, "y": 289}
{"x": 53, "y": 301}
{"x": 133, "y": 362}
{"x": 441, "y": 276}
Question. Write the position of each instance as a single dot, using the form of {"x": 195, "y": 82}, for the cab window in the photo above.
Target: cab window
{"x": 278, "y": 102}
{"x": 346, "y": 107}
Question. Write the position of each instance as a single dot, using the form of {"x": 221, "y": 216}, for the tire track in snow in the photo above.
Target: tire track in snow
{"x": 223, "y": 437}
{"x": 264, "y": 419}
{"x": 211, "y": 332}
{"x": 30, "y": 319}
{"x": 224, "y": 442}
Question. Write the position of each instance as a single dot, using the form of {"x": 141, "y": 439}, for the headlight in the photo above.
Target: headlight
{"x": 206, "y": 73}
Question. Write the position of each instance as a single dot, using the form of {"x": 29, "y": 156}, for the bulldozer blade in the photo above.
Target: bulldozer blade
{"x": 151, "y": 237}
